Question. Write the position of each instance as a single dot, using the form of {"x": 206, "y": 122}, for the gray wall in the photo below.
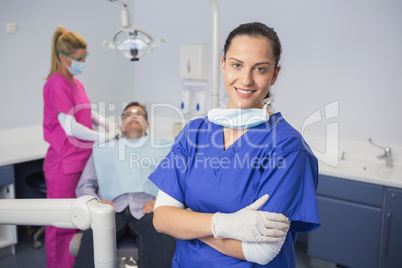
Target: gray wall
{"x": 25, "y": 55}
{"x": 345, "y": 51}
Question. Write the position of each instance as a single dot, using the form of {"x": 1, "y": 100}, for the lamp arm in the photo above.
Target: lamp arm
{"x": 119, "y": 2}
{"x": 125, "y": 17}
{"x": 82, "y": 213}
{"x": 139, "y": 29}
{"x": 136, "y": 42}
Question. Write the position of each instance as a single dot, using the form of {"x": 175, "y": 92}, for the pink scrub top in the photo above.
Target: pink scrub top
{"x": 66, "y": 154}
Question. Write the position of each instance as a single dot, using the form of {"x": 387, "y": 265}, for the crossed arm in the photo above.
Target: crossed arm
{"x": 171, "y": 218}
{"x": 185, "y": 224}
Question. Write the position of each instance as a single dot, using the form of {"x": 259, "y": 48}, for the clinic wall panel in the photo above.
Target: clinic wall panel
{"x": 25, "y": 55}
{"x": 345, "y": 51}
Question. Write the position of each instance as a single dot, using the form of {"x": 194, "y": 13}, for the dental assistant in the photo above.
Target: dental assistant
{"x": 67, "y": 127}
{"x": 247, "y": 176}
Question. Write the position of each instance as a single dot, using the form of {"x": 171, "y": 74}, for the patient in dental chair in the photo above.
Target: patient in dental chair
{"x": 117, "y": 173}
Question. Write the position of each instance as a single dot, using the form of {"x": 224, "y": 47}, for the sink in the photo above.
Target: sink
{"x": 372, "y": 172}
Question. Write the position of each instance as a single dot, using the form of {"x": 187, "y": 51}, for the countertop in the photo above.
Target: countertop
{"x": 368, "y": 172}
{"x": 21, "y": 145}
{"x": 24, "y": 144}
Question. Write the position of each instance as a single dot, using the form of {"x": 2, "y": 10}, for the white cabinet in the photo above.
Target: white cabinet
{"x": 8, "y": 233}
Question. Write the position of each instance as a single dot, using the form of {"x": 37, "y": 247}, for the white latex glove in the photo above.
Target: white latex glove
{"x": 99, "y": 120}
{"x": 114, "y": 131}
{"x": 250, "y": 225}
{"x": 104, "y": 137}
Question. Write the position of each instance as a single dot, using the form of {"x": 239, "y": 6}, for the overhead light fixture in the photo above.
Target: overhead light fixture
{"x": 131, "y": 41}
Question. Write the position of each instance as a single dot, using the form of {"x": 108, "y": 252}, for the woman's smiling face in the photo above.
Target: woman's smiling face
{"x": 249, "y": 71}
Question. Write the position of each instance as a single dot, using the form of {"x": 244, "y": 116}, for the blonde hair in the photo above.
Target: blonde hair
{"x": 65, "y": 42}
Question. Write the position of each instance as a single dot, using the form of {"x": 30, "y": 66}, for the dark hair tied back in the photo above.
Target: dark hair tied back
{"x": 255, "y": 29}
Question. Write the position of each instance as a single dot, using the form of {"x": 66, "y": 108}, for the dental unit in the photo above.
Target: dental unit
{"x": 82, "y": 213}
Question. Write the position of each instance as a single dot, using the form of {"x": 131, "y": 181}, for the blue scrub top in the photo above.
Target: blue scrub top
{"x": 271, "y": 158}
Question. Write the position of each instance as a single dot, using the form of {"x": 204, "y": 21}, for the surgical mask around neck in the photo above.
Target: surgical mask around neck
{"x": 239, "y": 118}
{"x": 76, "y": 68}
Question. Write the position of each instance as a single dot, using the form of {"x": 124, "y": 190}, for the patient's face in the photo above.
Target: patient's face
{"x": 134, "y": 120}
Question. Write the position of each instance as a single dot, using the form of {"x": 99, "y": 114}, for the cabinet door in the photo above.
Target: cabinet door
{"x": 349, "y": 234}
{"x": 392, "y": 229}
{"x": 6, "y": 175}
{"x": 8, "y": 233}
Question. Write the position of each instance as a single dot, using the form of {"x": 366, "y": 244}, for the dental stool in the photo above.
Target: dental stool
{"x": 127, "y": 250}
{"x": 37, "y": 182}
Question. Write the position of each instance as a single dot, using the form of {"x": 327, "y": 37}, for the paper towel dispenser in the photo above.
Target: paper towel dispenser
{"x": 194, "y": 61}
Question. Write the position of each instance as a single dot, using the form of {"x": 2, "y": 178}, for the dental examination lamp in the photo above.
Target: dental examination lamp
{"x": 131, "y": 41}
{"x": 82, "y": 213}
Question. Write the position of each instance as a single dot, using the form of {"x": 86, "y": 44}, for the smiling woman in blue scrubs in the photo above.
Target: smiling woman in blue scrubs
{"x": 221, "y": 164}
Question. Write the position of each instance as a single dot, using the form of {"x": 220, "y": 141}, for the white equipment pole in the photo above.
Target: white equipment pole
{"x": 83, "y": 213}
{"x": 215, "y": 52}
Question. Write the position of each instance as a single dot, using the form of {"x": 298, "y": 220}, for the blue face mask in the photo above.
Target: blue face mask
{"x": 76, "y": 68}
{"x": 239, "y": 118}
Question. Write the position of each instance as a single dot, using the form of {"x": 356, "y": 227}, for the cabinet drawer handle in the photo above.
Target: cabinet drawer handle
{"x": 388, "y": 233}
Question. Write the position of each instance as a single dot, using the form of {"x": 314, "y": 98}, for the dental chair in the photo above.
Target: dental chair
{"x": 30, "y": 183}
{"x": 37, "y": 182}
